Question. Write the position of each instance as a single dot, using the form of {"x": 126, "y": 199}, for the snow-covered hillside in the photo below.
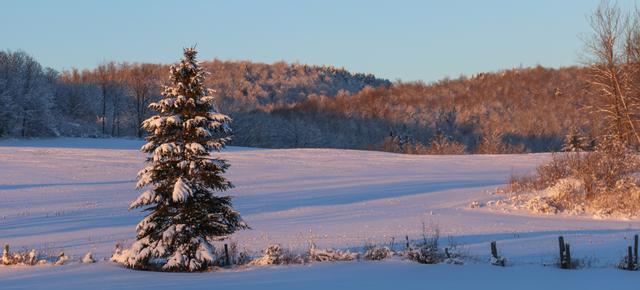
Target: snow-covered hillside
{"x": 73, "y": 194}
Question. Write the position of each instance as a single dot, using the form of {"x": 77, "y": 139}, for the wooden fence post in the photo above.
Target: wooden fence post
{"x": 406, "y": 237}
{"x": 635, "y": 249}
{"x": 565, "y": 253}
{"x": 568, "y": 256}
{"x": 561, "y": 244}
{"x": 494, "y": 250}
{"x": 496, "y": 260}
{"x": 629, "y": 259}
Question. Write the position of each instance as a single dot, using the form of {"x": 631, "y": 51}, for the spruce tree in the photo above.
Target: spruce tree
{"x": 186, "y": 210}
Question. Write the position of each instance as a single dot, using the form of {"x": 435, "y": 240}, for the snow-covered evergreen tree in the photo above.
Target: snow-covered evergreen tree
{"x": 186, "y": 212}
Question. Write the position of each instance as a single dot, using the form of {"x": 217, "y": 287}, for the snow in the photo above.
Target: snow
{"x": 164, "y": 150}
{"x": 145, "y": 198}
{"x": 88, "y": 258}
{"x": 218, "y": 117}
{"x": 73, "y": 195}
{"x": 343, "y": 275}
{"x": 196, "y": 148}
{"x": 181, "y": 191}
{"x": 62, "y": 259}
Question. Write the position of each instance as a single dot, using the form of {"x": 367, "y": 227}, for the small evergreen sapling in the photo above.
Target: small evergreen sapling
{"x": 574, "y": 142}
{"x": 185, "y": 211}
{"x": 6, "y": 257}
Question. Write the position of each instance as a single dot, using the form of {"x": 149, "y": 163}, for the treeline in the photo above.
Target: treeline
{"x": 26, "y": 96}
{"x": 517, "y": 110}
{"x": 284, "y": 105}
{"x": 111, "y": 100}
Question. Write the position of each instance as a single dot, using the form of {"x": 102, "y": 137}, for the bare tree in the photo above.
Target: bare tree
{"x": 117, "y": 92}
{"x": 612, "y": 48}
{"x": 104, "y": 78}
{"x": 142, "y": 81}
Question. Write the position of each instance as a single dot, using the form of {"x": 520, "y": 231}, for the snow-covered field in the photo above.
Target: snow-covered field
{"x": 73, "y": 194}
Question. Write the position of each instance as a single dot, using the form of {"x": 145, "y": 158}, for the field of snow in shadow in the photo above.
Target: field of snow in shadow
{"x": 74, "y": 198}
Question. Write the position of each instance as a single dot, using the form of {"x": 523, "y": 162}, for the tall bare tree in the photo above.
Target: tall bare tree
{"x": 104, "y": 78}
{"x": 613, "y": 48}
{"x": 142, "y": 82}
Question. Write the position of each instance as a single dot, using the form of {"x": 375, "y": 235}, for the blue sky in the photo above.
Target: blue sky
{"x": 408, "y": 40}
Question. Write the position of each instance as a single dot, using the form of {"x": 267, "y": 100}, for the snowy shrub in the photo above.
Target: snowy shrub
{"x": 242, "y": 258}
{"x": 376, "y": 253}
{"x": 276, "y": 255}
{"x": 424, "y": 254}
{"x": 475, "y": 204}
{"x": 236, "y": 256}
{"x": 445, "y": 146}
{"x": 31, "y": 258}
{"x": 23, "y": 258}
{"x": 440, "y": 145}
{"x": 603, "y": 182}
{"x": 62, "y": 259}
{"x": 494, "y": 143}
{"x": 576, "y": 142}
{"x": 393, "y": 144}
{"x": 88, "y": 258}
{"x": 541, "y": 204}
{"x": 517, "y": 184}
{"x": 329, "y": 255}
{"x": 454, "y": 253}
{"x": 427, "y": 251}
{"x": 6, "y": 256}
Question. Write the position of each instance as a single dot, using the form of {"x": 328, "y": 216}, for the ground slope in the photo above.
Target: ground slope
{"x": 72, "y": 195}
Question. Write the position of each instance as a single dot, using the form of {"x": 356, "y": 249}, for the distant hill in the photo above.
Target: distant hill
{"x": 516, "y": 110}
{"x": 283, "y": 105}
{"x": 244, "y": 86}
{"x": 241, "y": 86}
